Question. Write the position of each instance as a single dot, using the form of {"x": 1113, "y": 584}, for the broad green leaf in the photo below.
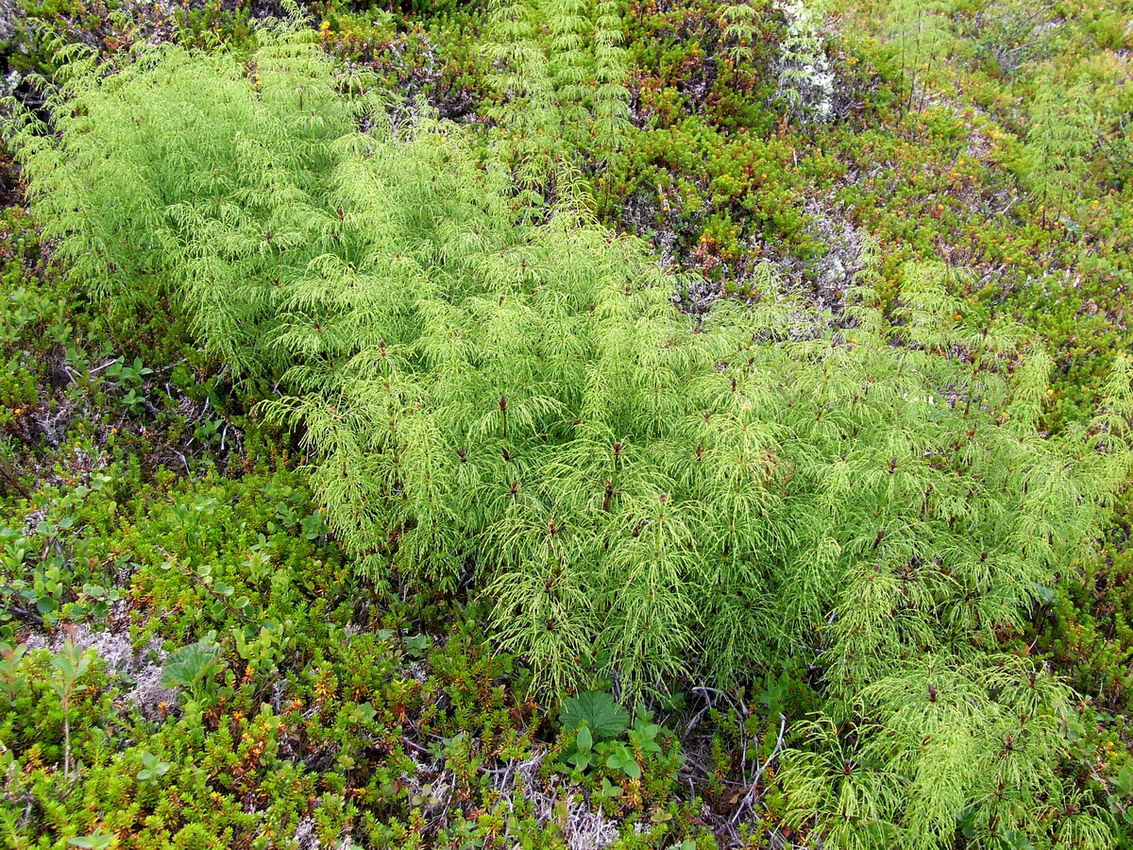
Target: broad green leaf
{"x": 598, "y": 711}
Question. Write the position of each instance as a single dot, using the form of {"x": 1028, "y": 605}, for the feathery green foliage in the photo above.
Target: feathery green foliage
{"x": 225, "y": 180}
{"x": 921, "y": 36}
{"x": 559, "y": 83}
{"x": 939, "y": 752}
{"x": 1063, "y": 132}
{"x": 740, "y": 28}
{"x": 644, "y": 496}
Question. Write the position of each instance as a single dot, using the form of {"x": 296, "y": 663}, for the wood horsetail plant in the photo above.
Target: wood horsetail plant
{"x": 511, "y": 400}
{"x": 559, "y": 84}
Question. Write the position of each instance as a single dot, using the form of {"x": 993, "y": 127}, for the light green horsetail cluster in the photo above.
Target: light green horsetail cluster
{"x": 501, "y": 393}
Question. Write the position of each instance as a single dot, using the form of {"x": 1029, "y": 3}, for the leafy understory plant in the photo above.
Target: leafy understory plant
{"x": 596, "y": 710}
{"x": 643, "y": 496}
{"x": 152, "y": 768}
{"x": 191, "y": 667}
{"x": 97, "y": 840}
{"x": 129, "y": 380}
{"x": 593, "y": 717}
{"x": 69, "y": 665}
{"x": 12, "y": 678}
{"x": 597, "y": 721}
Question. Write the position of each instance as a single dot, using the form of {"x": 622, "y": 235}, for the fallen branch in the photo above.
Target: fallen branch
{"x": 749, "y": 797}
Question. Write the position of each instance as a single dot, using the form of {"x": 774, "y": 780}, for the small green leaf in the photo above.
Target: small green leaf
{"x": 581, "y": 761}
{"x": 644, "y": 736}
{"x": 585, "y": 739}
{"x": 608, "y": 789}
{"x": 97, "y": 840}
{"x": 152, "y": 767}
{"x": 622, "y": 759}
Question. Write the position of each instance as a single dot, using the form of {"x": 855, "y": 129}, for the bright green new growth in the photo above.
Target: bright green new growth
{"x": 920, "y": 33}
{"x": 198, "y": 197}
{"x": 946, "y": 752}
{"x": 1064, "y": 130}
{"x": 641, "y": 494}
{"x": 560, "y": 69}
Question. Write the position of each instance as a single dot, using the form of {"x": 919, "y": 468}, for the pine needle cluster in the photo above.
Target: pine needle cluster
{"x": 642, "y": 495}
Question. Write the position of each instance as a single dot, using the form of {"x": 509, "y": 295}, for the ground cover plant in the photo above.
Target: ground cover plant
{"x": 560, "y": 424}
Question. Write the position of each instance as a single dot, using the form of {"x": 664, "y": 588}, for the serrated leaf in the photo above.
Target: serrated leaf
{"x": 598, "y": 711}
